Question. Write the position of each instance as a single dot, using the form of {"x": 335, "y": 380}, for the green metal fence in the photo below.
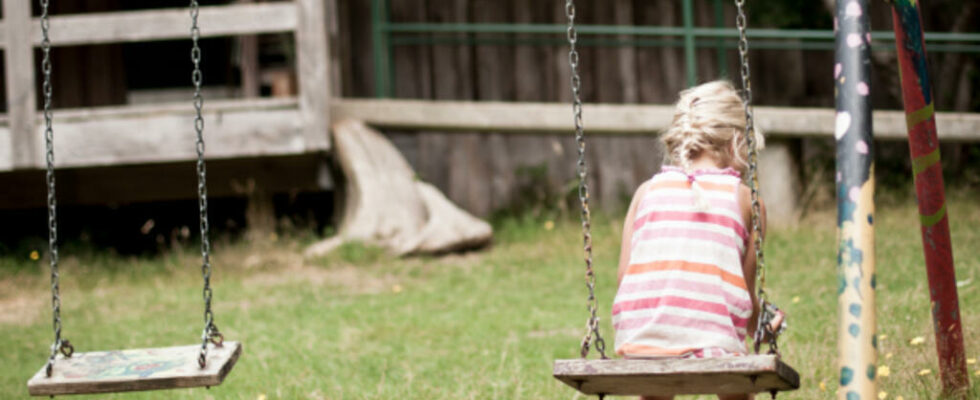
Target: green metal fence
{"x": 387, "y": 35}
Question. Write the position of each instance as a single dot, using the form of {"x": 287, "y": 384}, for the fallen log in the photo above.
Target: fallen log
{"x": 384, "y": 204}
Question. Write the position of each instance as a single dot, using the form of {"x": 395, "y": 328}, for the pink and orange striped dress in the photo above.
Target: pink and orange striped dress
{"x": 683, "y": 294}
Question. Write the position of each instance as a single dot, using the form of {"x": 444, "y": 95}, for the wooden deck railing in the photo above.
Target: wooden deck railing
{"x": 111, "y": 134}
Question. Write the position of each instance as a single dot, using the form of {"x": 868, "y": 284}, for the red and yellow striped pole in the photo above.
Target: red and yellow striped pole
{"x": 928, "y": 172}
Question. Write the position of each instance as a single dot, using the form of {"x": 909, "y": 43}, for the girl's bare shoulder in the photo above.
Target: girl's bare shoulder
{"x": 745, "y": 202}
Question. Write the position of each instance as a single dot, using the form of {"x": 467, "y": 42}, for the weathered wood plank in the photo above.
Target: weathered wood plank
{"x": 723, "y": 375}
{"x": 163, "y": 133}
{"x": 312, "y": 60}
{"x": 21, "y": 99}
{"x": 139, "y": 134}
{"x": 164, "y": 24}
{"x": 613, "y": 119}
{"x": 135, "y": 370}
{"x": 128, "y": 184}
{"x": 471, "y": 163}
{"x": 168, "y": 137}
{"x": 453, "y": 65}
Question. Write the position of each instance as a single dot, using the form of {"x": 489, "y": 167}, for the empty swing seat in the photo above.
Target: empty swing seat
{"x": 135, "y": 370}
{"x": 638, "y": 377}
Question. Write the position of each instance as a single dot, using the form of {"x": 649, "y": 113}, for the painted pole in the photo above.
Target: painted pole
{"x": 857, "y": 339}
{"x": 928, "y": 173}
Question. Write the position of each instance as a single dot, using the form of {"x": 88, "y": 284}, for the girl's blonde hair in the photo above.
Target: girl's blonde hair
{"x": 709, "y": 119}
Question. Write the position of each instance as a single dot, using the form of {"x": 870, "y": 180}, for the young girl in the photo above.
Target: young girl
{"x": 687, "y": 262}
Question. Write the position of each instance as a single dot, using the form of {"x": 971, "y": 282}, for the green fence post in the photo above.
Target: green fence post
{"x": 689, "y": 46}
{"x": 380, "y": 48}
{"x": 720, "y": 44}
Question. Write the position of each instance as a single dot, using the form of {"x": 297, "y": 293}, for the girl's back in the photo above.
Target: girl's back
{"x": 683, "y": 292}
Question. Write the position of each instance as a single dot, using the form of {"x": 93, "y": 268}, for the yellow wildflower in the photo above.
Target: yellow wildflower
{"x": 917, "y": 340}
{"x": 971, "y": 361}
{"x": 796, "y": 299}
{"x": 924, "y": 372}
{"x": 549, "y": 225}
{"x": 884, "y": 370}
{"x": 882, "y": 395}
{"x": 34, "y": 255}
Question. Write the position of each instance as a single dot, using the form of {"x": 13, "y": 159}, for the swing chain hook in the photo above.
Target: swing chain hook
{"x": 59, "y": 345}
{"x": 592, "y": 330}
{"x": 210, "y": 333}
{"x": 212, "y": 336}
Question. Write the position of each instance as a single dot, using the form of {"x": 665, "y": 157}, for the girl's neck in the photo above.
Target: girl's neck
{"x": 706, "y": 162}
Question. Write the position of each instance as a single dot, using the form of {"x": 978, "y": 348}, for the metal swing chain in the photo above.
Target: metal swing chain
{"x": 59, "y": 344}
{"x": 583, "y": 188}
{"x": 210, "y": 332}
{"x": 741, "y": 21}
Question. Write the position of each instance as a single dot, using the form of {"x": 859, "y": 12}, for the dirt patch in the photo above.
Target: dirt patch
{"x": 21, "y": 310}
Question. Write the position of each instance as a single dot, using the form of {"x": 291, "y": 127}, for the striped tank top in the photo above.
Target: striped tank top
{"x": 683, "y": 294}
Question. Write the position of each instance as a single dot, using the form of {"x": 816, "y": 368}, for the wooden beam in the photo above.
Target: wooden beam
{"x": 163, "y": 24}
{"x": 262, "y": 127}
{"x": 163, "y": 133}
{"x": 671, "y": 376}
{"x": 150, "y": 134}
{"x": 615, "y": 119}
{"x": 312, "y": 49}
{"x": 21, "y": 98}
{"x": 127, "y": 184}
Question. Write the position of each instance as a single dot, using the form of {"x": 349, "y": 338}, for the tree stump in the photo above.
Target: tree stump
{"x": 384, "y": 204}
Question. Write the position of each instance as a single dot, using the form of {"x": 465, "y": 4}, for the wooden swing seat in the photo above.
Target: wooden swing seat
{"x": 665, "y": 377}
{"x": 134, "y": 370}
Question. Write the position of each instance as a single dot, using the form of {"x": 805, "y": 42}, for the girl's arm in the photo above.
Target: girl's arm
{"x": 748, "y": 260}
{"x": 624, "y": 248}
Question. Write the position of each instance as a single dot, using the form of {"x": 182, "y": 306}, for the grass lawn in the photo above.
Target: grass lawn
{"x": 362, "y": 325}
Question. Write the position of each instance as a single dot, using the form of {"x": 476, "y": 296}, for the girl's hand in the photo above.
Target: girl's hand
{"x": 776, "y": 324}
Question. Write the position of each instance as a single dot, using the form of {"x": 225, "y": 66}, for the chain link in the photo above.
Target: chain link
{"x": 59, "y": 345}
{"x": 210, "y": 332}
{"x": 583, "y": 188}
{"x": 741, "y": 21}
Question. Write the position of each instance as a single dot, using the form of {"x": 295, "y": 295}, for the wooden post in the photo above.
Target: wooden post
{"x": 312, "y": 49}
{"x": 928, "y": 174}
{"x": 334, "y": 52}
{"x": 857, "y": 336}
{"x": 248, "y": 62}
{"x": 21, "y": 99}
{"x": 779, "y": 177}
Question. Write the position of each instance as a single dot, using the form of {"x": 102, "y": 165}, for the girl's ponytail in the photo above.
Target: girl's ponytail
{"x": 686, "y": 153}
